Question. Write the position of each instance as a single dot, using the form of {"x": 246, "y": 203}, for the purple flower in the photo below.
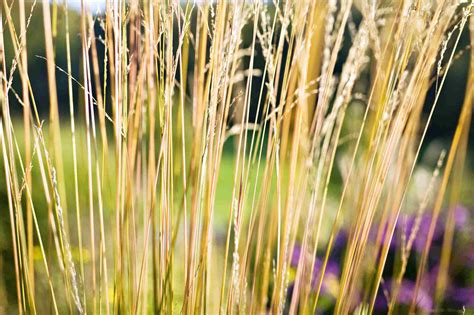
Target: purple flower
{"x": 340, "y": 240}
{"x": 295, "y": 256}
{"x": 406, "y": 226}
{"x": 456, "y": 294}
{"x": 330, "y": 274}
{"x": 462, "y": 217}
{"x": 462, "y": 296}
{"x": 404, "y": 297}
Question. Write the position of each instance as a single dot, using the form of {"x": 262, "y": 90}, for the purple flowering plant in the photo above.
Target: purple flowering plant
{"x": 398, "y": 291}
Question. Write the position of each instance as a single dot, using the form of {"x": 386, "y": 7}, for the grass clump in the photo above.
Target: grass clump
{"x": 232, "y": 157}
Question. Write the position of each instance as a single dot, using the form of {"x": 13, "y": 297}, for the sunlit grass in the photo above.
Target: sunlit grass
{"x": 210, "y": 156}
